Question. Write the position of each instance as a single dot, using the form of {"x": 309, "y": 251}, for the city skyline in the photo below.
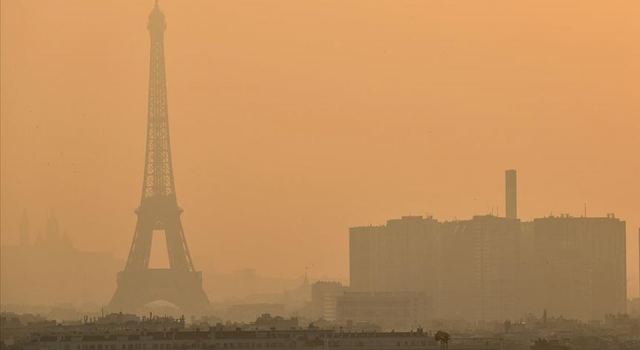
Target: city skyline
{"x": 359, "y": 153}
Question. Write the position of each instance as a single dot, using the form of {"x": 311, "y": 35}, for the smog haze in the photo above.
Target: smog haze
{"x": 292, "y": 121}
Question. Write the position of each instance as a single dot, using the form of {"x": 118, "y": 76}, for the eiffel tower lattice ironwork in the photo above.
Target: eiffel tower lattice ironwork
{"x": 138, "y": 284}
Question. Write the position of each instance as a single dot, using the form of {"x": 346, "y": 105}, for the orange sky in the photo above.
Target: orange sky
{"x": 293, "y": 120}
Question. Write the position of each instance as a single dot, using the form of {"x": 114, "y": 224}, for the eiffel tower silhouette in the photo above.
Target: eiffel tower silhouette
{"x": 180, "y": 284}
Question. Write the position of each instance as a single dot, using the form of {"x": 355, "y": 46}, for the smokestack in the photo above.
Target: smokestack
{"x": 511, "y": 194}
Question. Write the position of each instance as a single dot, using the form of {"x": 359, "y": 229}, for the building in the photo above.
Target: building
{"x": 311, "y": 338}
{"x": 249, "y": 312}
{"x": 267, "y": 321}
{"x": 324, "y": 299}
{"x": 492, "y": 268}
{"x": 400, "y": 256}
{"x": 581, "y": 266}
{"x": 76, "y": 277}
{"x": 398, "y": 311}
{"x": 466, "y": 267}
{"x": 476, "y": 279}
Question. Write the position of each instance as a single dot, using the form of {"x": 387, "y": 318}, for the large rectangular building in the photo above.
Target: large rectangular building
{"x": 581, "y": 266}
{"x": 492, "y": 269}
{"x": 397, "y": 257}
{"x": 399, "y": 311}
{"x": 477, "y": 275}
{"x": 466, "y": 267}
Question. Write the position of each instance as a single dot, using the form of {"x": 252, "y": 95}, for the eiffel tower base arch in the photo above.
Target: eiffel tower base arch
{"x": 181, "y": 288}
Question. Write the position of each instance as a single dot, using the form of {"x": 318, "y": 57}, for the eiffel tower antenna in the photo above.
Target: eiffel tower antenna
{"x": 181, "y": 284}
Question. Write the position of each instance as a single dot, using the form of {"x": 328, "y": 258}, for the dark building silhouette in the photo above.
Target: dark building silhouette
{"x": 477, "y": 260}
{"x": 57, "y": 271}
{"x": 400, "y": 256}
{"x": 581, "y": 266}
{"x": 219, "y": 338}
{"x": 52, "y": 236}
{"x": 181, "y": 284}
{"x": 267, "y": 321}
{"x": 491, "y": 268}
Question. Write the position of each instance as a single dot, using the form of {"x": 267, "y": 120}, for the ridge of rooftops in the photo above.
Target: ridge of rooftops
{"x": 429, "y": 218}
{"x": 224, "y": 334}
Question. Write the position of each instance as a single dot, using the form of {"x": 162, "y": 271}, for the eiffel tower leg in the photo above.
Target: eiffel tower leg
{"x": 141, "y": 245}
{"x": 178, "y": 256}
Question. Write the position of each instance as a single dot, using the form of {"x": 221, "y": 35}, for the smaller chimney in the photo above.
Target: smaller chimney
{"x": 511, "y": 194}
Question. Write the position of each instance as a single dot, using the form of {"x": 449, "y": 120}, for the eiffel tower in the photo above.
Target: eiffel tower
{"x": 180, "y": 284}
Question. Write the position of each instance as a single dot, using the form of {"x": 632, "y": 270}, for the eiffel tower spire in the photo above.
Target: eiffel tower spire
{"x": 158, "y": 170}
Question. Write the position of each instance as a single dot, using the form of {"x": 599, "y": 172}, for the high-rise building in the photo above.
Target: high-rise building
{"x": 400, "y": 256}
{"x": 363, "y": 258}
{"x": 581, "y": 266}
{"x": 477, "y": 274}
{"x": 466, "y": 267}
{"x": 491, "y": 268}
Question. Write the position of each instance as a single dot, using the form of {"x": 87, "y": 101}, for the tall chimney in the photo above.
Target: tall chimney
{"x": 511, "y": 194}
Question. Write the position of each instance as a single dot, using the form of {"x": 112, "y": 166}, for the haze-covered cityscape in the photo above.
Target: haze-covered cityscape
{"x": 328, "y": 198}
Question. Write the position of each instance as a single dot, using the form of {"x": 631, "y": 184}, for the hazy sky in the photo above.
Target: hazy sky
{"x": 293, "y": 120}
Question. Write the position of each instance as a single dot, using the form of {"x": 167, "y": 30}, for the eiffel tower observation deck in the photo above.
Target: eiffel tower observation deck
{"x": 138, "y": 284}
